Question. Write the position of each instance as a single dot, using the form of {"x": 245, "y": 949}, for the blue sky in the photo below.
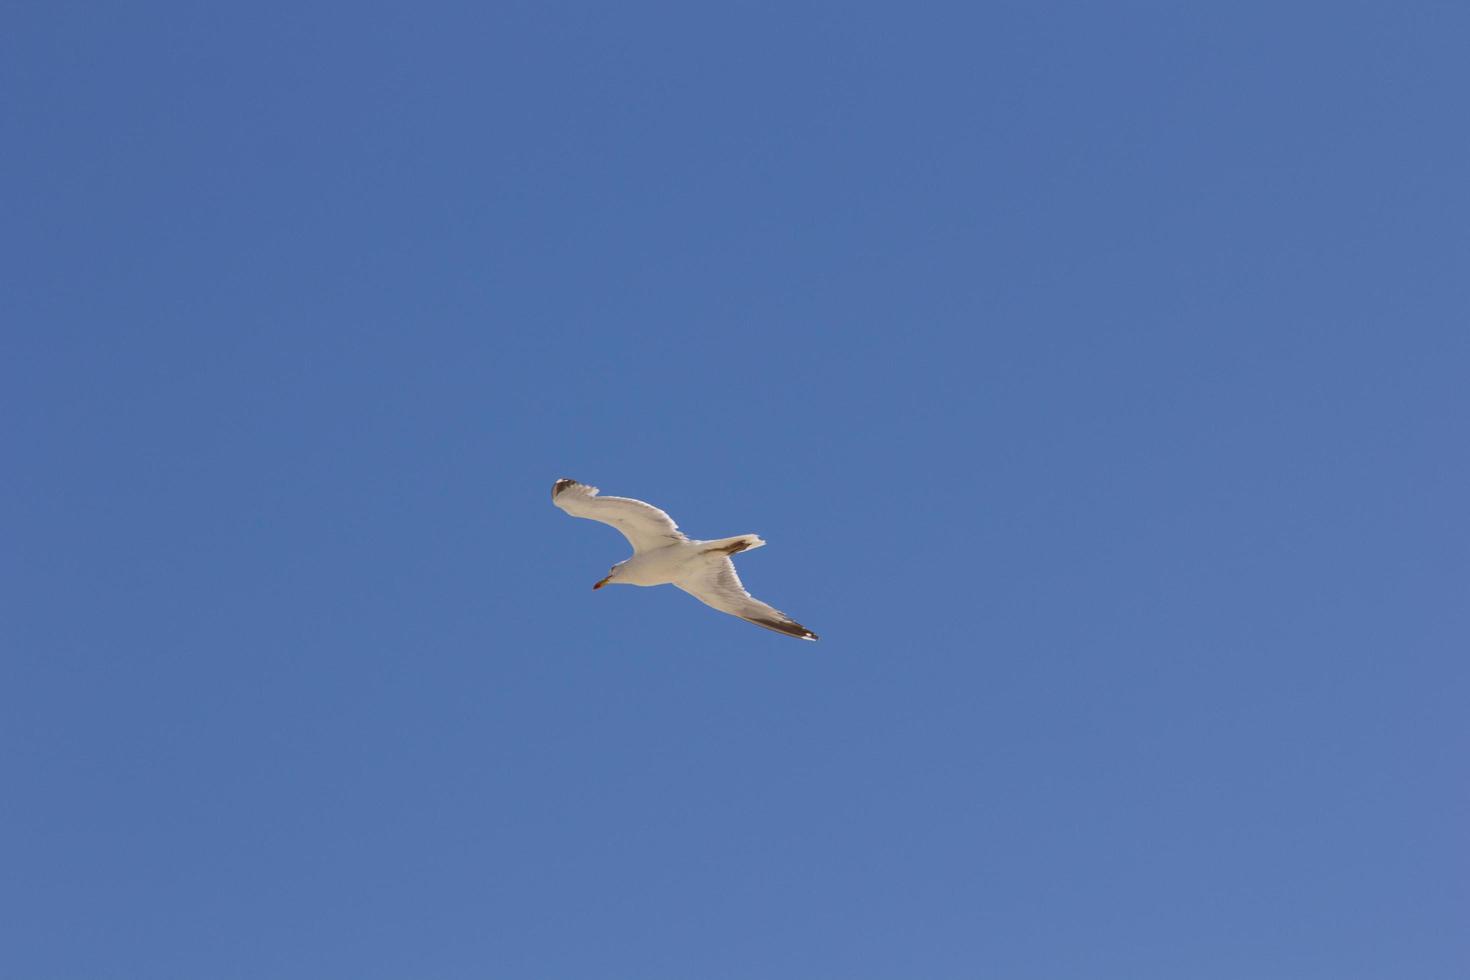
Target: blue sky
{"x": 1096, "y": 374}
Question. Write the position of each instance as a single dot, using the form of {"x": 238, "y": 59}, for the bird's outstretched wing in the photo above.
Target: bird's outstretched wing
{"x": 712, "y": 580}
{"x": 644, "y": 525}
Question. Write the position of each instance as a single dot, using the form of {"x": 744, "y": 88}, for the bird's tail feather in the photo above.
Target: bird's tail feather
{"x": 735, "y": 545}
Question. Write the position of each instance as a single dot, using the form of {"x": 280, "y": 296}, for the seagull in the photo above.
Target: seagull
{"x": 662, "y": 555}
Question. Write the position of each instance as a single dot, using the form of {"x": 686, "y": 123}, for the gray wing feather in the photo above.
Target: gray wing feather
{"x": 644, "y": 525}
{"x": 714, "y": 583}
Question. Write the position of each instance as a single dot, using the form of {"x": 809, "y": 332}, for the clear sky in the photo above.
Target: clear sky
{"x": 1099, "y": 376}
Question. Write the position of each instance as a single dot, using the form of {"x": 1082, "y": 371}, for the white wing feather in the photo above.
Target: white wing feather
{"x": 644, "y": 525}
{"x": 713, "y": 582}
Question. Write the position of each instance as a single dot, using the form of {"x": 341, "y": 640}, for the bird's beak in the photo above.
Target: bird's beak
{"x": 602, "y": 583}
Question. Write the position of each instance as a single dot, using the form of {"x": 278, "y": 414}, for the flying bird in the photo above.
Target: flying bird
{"x": 662, "y": 555}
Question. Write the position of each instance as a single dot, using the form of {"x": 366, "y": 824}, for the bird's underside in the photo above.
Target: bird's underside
{"x": 664, "y": 555}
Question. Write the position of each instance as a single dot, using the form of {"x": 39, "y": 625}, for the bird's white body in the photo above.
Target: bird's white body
{"x": 662, "y": 555}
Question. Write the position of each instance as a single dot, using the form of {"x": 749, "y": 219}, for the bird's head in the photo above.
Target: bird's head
{"x": 612, "y": 575}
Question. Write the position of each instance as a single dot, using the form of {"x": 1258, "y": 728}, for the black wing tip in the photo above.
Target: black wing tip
{"x": 561, "y": 485}
{"x": 789, "y": 628}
